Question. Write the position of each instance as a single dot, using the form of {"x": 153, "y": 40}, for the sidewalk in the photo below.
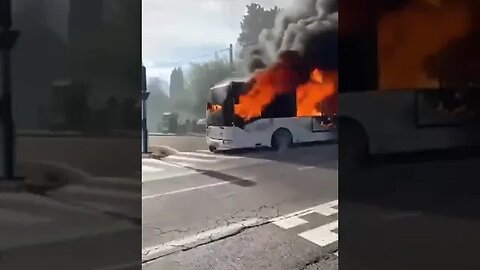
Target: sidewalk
{"x": 61, "y": 212}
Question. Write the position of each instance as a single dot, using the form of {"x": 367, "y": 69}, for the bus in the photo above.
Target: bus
{"x": 278, "y": 126}
{"x": 434, "y": 106}
{"x": 169, "y": 122}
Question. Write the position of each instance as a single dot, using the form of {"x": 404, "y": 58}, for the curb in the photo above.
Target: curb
{"x": 43, "y": 176}
{"x": 159, "y": 151}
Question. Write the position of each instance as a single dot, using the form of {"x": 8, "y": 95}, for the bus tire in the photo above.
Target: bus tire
{"x": 352, "y": 144}
{"x": 212, "y": 148}
{"x": 282, "y": 139}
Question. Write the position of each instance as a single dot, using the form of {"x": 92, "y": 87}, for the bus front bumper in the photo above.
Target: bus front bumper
{"x": 219, "y": 144}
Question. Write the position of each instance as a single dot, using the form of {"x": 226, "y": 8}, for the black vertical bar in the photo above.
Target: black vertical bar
{"x": 144, "y": 111}
{"x": 7, "y": 39}
{"x": 5, "y": 14}
{"x": 8, "y": 154}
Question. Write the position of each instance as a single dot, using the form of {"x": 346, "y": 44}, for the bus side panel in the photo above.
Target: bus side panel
{"x": 255, "y": 134}
{"x": 301, "y": 129}
{"x": 395, "y": 129}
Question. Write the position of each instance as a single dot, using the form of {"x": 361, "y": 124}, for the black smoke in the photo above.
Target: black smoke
{"x": 310, "y": 28}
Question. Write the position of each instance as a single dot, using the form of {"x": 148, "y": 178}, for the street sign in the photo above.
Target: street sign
{"x": 145, "y": 95}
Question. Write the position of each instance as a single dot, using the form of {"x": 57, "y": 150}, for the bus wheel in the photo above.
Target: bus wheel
{"x": 281, "y": 139}
{"x": 352, "y": 144}
{"x": 212, "y": 148}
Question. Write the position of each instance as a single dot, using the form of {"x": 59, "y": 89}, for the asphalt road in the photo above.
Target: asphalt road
{"x": 242, "y": 210}
{"x": 412, "y": 212}
{"x": 180, "y": 143}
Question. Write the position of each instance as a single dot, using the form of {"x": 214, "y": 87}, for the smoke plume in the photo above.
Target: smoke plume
{"x": 297, "y": 56}
{"x": 307, "y": 25}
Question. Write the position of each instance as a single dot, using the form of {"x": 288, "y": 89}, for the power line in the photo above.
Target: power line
{"x": 199, "y": 57}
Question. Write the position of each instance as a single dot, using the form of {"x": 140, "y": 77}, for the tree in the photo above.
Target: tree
{"x": 177, "y": 84}
{"x": 158, "y": 103}
{"x": 254, "y": 22}
{"x": 201, "y": 78}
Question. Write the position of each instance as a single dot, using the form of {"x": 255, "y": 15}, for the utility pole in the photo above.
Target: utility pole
{"x": 145, "y": 95}
{"x": 8, "y": 38}
{"x": 231, "y": 56}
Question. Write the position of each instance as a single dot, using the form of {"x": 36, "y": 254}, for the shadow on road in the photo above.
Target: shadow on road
{"x": 408, "y": 211}
{"x": 319, "y": 154}
{"x": 228, "y": 178}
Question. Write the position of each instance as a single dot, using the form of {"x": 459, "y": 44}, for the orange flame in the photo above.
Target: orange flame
{"x": 268, "y": 84}
{"x": 275, "y": 81}
{"x": 408, "y": 37}
{"x": 214, "y": 108}
{"x": 311, "y": 94}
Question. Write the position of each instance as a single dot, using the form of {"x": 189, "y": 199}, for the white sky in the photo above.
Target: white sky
{"x": 178, "y": 30}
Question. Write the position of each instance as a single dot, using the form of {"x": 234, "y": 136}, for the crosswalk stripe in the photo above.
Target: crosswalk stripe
{"x": 197, "y": 154}
{"x": 168, "y": 176}
{"x": 183, "y": 158}
{"x": 208, "y": 155}
{"x": 152, "y": 161}
{"x": 290, "y": 222}
{"x": 146, "y": 168}
{"x": 322, "y": 235}
{"x": 79, "y": 189}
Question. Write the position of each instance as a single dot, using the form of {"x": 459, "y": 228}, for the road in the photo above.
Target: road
{"x": 241, "y": 210}
{"x": 180, "y": 143}
{"x": 76, "y": 225}
{"x": 412, "y": 212}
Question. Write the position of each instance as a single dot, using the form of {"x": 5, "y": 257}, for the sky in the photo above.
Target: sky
{"x": 174, "y": 31}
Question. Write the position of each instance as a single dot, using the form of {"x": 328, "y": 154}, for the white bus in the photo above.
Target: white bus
{"x": 278, "y": 127}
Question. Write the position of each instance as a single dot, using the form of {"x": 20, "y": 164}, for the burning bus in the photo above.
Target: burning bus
{"x": 291, "y": 94}
{"x": 410, "y": 77}
{"x": 239, "y": 117}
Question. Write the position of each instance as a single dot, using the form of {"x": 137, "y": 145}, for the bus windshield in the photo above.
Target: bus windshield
{"x": 219, "y": 107}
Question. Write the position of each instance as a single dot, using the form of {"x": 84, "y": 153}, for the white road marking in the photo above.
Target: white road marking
{"x": 209, "y": 235}
{"x": 78, "y": 189}
{"x": 326, "y": 210}
{"x": 158, "y": 162}
{"x": 305, "y": 168}
{"x": 176, "y": 158}
{"x": 146, "y": 168}
{"x": 8, "y": 216}
{"x": 290, "y": 222}
{"x": 316, "y": 209}
{"x": 188, "y": 189}
{"x": 165, "y": 176}
{"x": 198, "y": 154}
{"x": 322, "y": 235}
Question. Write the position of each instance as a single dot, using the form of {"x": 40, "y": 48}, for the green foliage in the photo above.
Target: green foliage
{"x": 254, "y": 22}
{"x": 177, "y": 84}
{"x": 158, "y": 103}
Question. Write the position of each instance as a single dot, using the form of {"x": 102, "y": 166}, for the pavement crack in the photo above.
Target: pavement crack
{"x": 210, "y": 240}
{"x": 316, "y": 260}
